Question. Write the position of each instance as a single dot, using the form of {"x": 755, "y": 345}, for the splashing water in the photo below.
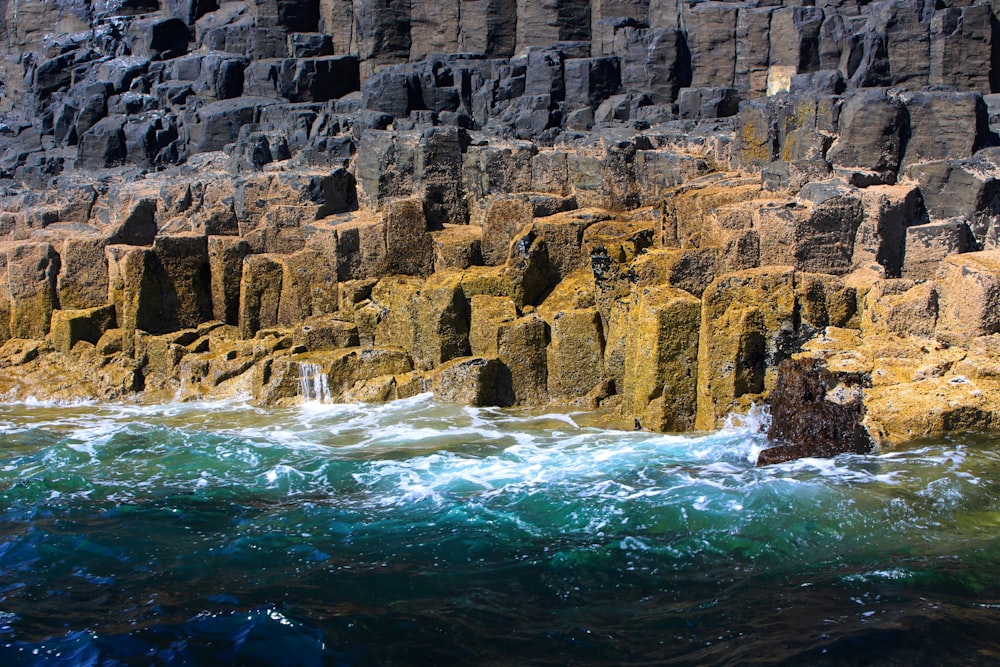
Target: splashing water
{"x": 412, "y": 533}
{"x": 314, "y": 385}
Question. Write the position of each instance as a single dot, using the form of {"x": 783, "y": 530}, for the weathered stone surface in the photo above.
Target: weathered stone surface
{"x": 815, "y": 412}
{"x": 576, "y": 353}
{"x": 31, "y": 270}
{"x": 661, "y": 359}
{"x": 409, "y": 248}
{"x": 927, "y": 245}
{"x": 68, "y": 327}
{"x": 968, "y": 289}
{"x": 872, "y": 129}
{"x": 748, "y": 327}
{"x": 521, "y": 345}
{"x": 900, "y": 307}
{"x": 467, "y": 380}
{"x": 260, "y": 294}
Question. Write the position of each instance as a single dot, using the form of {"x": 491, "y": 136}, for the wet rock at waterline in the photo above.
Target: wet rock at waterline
{"x": 816, "y": 412}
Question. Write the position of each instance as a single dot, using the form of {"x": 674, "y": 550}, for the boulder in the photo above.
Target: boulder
{"x": 928, "y": 244}
{"x": 816, "y": 412}
{"x": 409, "y": 248}
{"x": 260, "y": 294}
{"x": 872, "y": 128}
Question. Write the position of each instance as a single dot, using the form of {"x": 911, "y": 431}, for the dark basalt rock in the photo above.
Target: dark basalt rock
{"x": 815, "y": 412}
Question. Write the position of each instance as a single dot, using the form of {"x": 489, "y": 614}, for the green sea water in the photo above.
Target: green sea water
{"x": 413, "y": 533}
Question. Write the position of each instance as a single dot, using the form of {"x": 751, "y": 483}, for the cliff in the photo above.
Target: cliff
{"x": 644, "y": 206}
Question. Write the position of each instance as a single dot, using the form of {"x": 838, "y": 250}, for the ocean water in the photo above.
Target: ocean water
{"x": 414, "y": 533}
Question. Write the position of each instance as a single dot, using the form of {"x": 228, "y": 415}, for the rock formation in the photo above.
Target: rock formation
{"x": 641, "y": 205}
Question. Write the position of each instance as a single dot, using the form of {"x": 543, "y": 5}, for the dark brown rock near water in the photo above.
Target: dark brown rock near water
{"x": 816, "y": 412}
{"x": 641, "y": 207}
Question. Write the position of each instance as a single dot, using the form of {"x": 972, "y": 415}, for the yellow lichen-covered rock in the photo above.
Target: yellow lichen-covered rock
{"x": 968, "y": 288}
{"x": 900, "y": 307}
{"x": 690, "y": 269}
{"x": 360, "y": 247}
{"x": 815, "y": 237}
{"x": 391, "y": 297}
{"x": 457, "y": 247}
{"x": 345, "y": 368}
{"x": 466, "y": 380}
{"x": 408, "y": 246}
{"x": 983, "y": 359}
{"x": 487, "y": 313}
{"x": 620, "y": 239}
{"x": 83, "y": 273}
{"x": 528, "y": 270}
{"x": 881, "y": 237}
{"x": 281, "y": 378}
{"x": 488, "y": 280}
{"x": 826, "y": 300}
{"x": 225, "y": 262}
{"x": 563, "y": 234}
{"x": 71, "y": 326}
{"x": 661, "y": 359}
{"x": 748, "y": 324}
{"x": 572, "y": 292}
{"x": 326, "y": 332}
{"x": 576, "y": 353}
{"x": 618, "y": 325}
{"x": 687, "y": 209}
{"x": 505, "y": 217}
{"x": 374, "y": 390}
{"x": 429, "y": 318}
{"x": 917, "y": 387}
{"x": 32, "y": 269}
{"x": 933, "y": 406}
{"x": 308, "y": 287}
{"x": 440, "y": 316}
{"x": 521, "y": 347}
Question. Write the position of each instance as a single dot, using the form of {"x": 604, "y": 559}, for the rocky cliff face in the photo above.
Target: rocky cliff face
{"x": 647, "y": 206}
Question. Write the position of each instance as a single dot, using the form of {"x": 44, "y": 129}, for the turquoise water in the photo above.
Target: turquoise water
{"x": 418, "y": 534}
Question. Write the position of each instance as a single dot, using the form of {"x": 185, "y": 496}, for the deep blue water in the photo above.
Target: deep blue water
{"x": 418, "y": 534}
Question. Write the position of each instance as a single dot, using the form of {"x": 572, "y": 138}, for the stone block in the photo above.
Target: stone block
{"x": 83, "y": 273}
{"x": 505, "y": 218}
{"x": 872, "y": 130}
{"x": 409, "y": 248}
{"x": 661, "y": 360}
{"x": 325, "y": 332}
{"x": 927, "y": 245}
{"x": 487, "y": 313}
{"x": 69, "y": 327}
{"x": 750, "y": 323}
{"x": 466, "y": 380}
{"x": 968, "y": 288}
{"x": 521, "y": 347}
{"x": 260, "y": 294}
{"x": 31, "y": 271}
{"x": 576, "y": 353}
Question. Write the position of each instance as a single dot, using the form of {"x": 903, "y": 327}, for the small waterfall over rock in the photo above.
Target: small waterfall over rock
{"x": 313, "y": 383}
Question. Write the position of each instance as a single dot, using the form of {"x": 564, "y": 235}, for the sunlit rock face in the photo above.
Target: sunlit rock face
{"x": 643, "y": 207}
